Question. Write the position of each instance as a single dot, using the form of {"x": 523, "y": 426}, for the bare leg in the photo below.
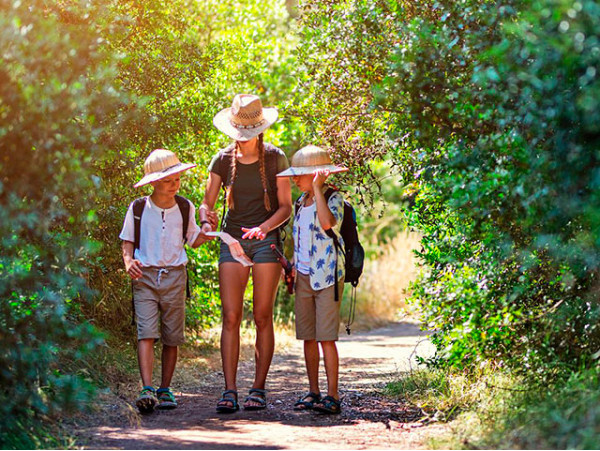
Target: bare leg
{"x": 146, "y": 360}
{"x": 233, "y": 278}
{"x": 169, "y": 360}
{"x": 311, "y": 358}
{"x": 265, "y": 277}
{"x": 331, "y": 358}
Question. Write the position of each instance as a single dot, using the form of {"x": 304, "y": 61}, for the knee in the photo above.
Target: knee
{"x": 263, "y": 321}
{"x": 231, "y": 321}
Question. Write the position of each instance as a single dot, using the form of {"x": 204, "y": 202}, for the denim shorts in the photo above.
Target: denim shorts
{"x": 259, "y": 251}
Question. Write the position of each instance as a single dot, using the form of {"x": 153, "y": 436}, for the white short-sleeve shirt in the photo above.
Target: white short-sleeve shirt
{"x": 161, "y": 230}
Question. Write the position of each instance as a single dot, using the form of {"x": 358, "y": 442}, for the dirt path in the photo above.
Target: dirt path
{"x": 368, "y": 420}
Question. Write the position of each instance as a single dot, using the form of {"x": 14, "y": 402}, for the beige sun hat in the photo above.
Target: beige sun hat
{"x": 308, "y": 160}
{"x": 161, "y": 163}
{"x": 246, "y": 118}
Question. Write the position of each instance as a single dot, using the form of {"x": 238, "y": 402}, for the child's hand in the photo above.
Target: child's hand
{"x": 319, "y": 178}
{"x": 133, "y": 268}
{"x": 255, "y": 232}
{"x": 206, "y": 227}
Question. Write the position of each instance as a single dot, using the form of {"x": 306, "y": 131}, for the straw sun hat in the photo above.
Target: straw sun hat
{"x": 246, "y": 118}
{"x": 308, "y": 160}
{"x": 161, "y": 163}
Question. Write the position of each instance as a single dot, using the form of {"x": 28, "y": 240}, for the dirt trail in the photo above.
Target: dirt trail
{"x": 368, "y": 420}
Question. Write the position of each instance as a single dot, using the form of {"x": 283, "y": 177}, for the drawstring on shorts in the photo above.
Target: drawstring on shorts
{"x": 161, "y": 271}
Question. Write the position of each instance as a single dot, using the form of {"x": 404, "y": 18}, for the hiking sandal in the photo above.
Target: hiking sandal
{"x": 146, "y": 400}
{"x": 307, "y": 401}
{"x": 328, "y": 405}
{"x": 258, "y": 395}
{"x": 228, "y": 402}
{"x": 166, "y": 399}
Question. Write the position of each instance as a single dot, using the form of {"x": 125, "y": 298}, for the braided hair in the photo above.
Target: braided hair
{"x": 263, "y": 175}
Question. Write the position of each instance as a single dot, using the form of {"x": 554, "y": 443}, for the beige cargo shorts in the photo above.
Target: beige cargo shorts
{"x": 160, "y": 295}
{"x": 317, "y": 313}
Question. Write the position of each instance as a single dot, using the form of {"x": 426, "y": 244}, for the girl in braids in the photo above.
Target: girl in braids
{"x": 258, "y": 202}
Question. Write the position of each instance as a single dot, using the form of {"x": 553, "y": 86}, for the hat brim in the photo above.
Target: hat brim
{"x": 155, "y": 176}
{"x": 222, "y": 122}
{"x": 294, "y": 171}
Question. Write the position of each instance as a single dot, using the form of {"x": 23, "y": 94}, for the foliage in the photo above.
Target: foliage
{"x": 489, "y": 109}
{"x": 59, "y": 108}
{"x": 496, "y": 410}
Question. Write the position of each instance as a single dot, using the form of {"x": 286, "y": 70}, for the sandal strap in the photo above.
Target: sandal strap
{"x": 259, "y": 391}
{"x": 330, "y": 401}
{"x": 228, "y": 399}
{"x": 313, "y": 395}
{"x": 261, "y": 401}
{"x": 230, "y": 392}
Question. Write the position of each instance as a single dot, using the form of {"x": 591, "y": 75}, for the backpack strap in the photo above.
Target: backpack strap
{"x": 138, "y": 211}
{"x": 184, "y": 208}
{"x": 271, "y": 172}
{"x": 336, "y": 242}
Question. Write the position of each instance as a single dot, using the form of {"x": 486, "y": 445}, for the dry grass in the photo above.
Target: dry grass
{"x": 382, "y": 291}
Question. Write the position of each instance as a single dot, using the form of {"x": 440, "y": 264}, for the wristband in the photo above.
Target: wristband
{"x": 204, "y": 221}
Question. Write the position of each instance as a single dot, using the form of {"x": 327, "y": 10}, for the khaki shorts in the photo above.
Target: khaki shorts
{"x": 160, "y": 292}
{"x": 317, "y": 313}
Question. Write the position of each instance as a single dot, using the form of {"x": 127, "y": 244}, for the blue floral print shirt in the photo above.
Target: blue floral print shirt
{"x": 322, "y": 250}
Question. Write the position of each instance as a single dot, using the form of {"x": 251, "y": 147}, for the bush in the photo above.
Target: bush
{"x": 59, "y": 106}
{"x": 479, "y": 105}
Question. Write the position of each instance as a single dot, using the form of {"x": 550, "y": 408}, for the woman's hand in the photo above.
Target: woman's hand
{"x": 255, "y": 232}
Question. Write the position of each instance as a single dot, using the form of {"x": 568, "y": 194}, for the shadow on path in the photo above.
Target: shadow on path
{"x": 369, "y": 420}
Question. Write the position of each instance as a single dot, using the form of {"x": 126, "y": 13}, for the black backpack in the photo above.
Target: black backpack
{"x": 138, "y": 211}
{"x": 354, "y": 253}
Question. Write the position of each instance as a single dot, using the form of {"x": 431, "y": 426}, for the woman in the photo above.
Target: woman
{"x": 258, "y": 202}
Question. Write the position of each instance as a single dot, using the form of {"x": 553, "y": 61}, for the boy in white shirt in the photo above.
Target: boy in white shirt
{"x": 155, "y": 259}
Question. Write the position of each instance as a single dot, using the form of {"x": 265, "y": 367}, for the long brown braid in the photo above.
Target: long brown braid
{"x": 263, "y": 174}
{"x": 232, "y": 176}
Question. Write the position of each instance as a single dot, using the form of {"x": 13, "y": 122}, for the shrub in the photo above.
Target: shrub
{"x": 59, "y": 106}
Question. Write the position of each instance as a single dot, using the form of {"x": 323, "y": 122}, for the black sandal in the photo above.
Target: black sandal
{"x": 223, "y": 403}
{"x": 304, "y": 404}
{"x": 328, "y": 405}
{"x": 258, "y": 395}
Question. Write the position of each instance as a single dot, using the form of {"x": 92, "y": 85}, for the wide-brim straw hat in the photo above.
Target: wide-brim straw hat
{"x": 246, "y": 118}
{"x": 308, "y": 160}
{"x": 161, "y": 163}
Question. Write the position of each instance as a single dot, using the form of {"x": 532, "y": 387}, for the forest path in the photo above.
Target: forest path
{"x": 368, "y": 420}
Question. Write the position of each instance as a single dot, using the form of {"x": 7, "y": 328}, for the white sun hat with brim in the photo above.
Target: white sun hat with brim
{"x": 161, "y": 163}
{"x": 309, "y": 160}
{"x": 246, "y": 118}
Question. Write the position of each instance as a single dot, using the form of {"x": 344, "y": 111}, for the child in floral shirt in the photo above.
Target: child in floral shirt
{"x": 315, "y": 255}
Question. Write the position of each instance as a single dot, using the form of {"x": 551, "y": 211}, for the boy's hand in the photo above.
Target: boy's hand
{"x": 255, "y": 232}
{"x": 206, "y": 227}
{"x": 133, "y": 268}
{"x": 319, "y": 178}
{"x": 213, "y": 222}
